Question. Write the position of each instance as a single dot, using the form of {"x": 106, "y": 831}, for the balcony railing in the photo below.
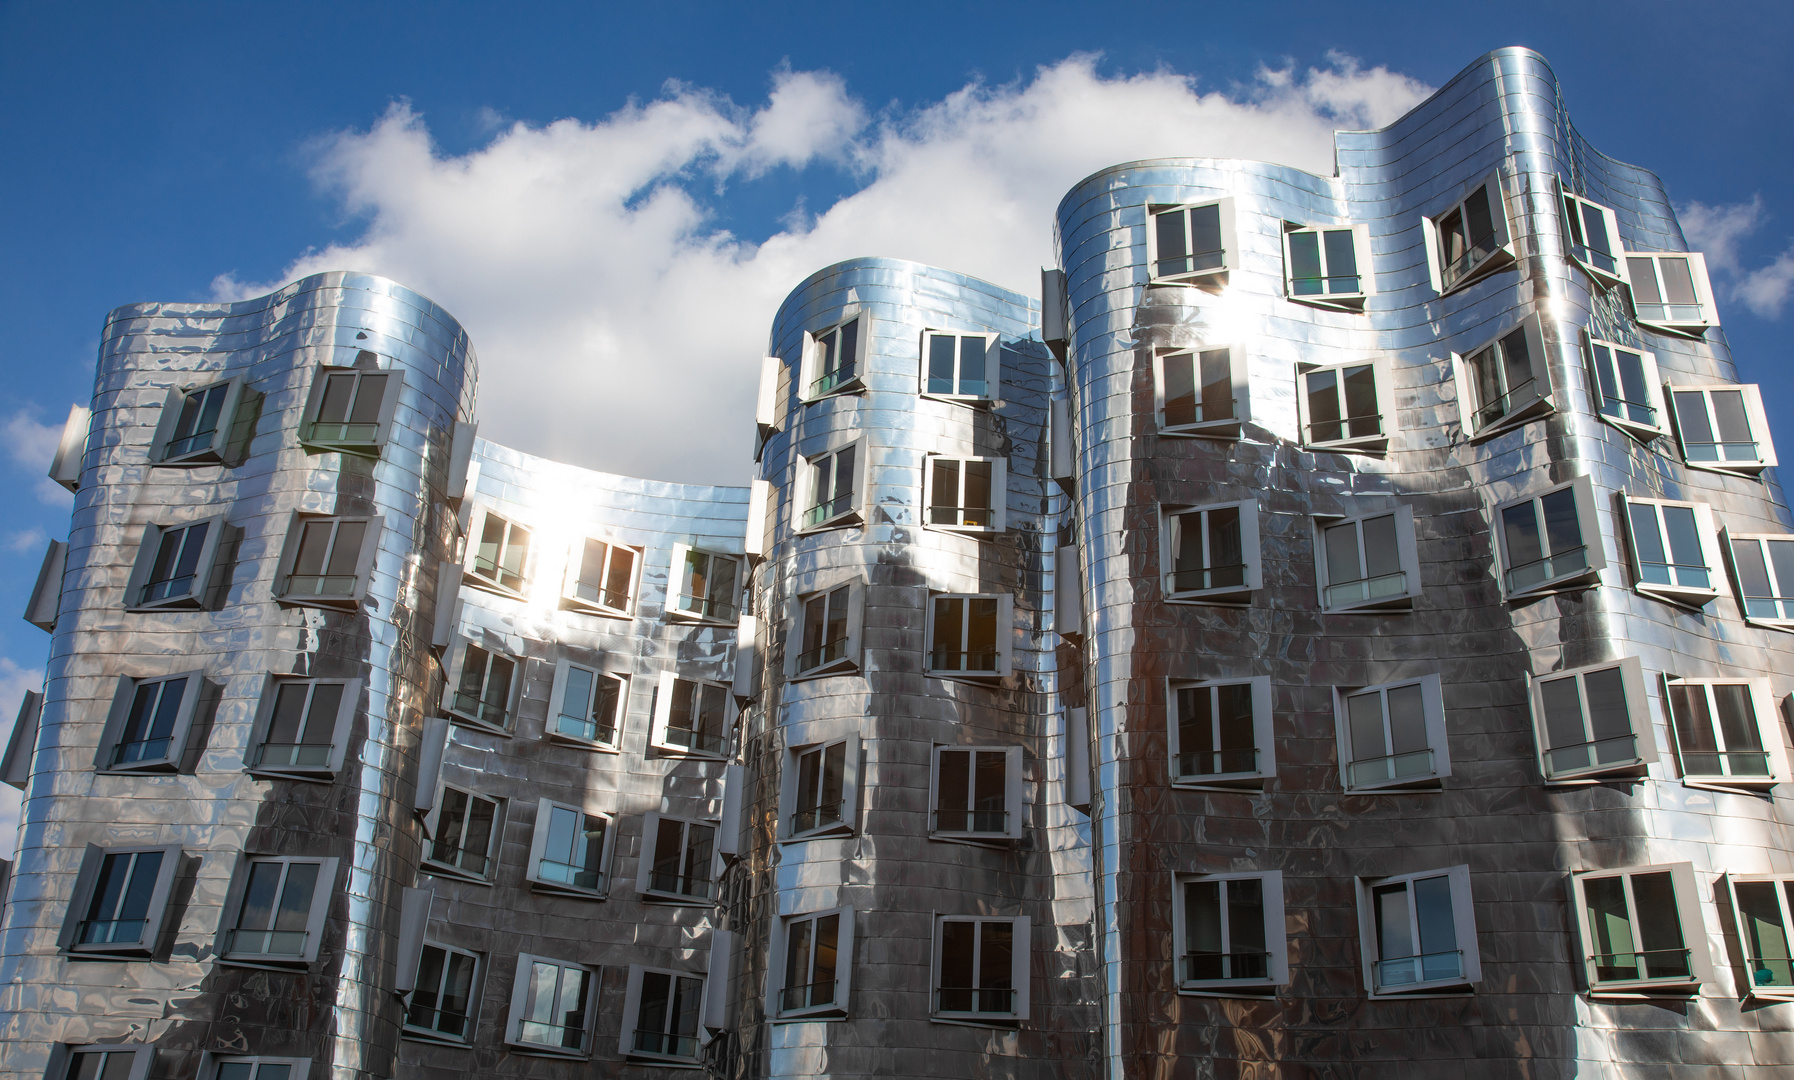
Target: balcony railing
{"x": 961, "y": 517}
{"x": 1685, "y": 575}
{"x": 1769, "y": 607}
{"x": 985, "y": 1000}
{"x": 125, "y": 753}
{"x": 1379, "y": 770}
{"x": 1671, "y": 313}
{"x": 1365, "y": 590}
{"x": 1477, "y": 250}
{"x": 1214, "y": 966}
{"x": 1494, "y": 410}
{"x": 707, "y": 607}
{"x": 1638, "y": 412}
{"x": 572, "y": 875}
{"x": 1726, "y": 763}
{"x": 1574, "y": 757}
{"x": 1550, "y": 568}
{"x": 282, "y": 943}
{"x": 1329, "y": 285}
{"x": 971, "y": 662}
{"x": 474, "y": 862}
{"x": 319, "y": 585}
{"x": 111, "y": 931}
{"x": 820, "y": 816}
{"x": 832, "y": 380}
{"x": 167, "y": 589}
{"x": 322, "y": 431}
{"x": 441, "y": 1021}
{"x": 484, "y": 711}
{"x": 1589, "y": 256}
{"x": 1655, "y": 964}
{"x": 1185, "y": 410}
{"x": 826, "y": 653}
{"x": 199, "y": 440}
{"x": 681, "y": 885}
{"x": 579, "y": 727}
{"x": 1231, "y": 576}
{"x": 1196, "y": 262}
{"x": 542, "y": 1033}
{"x": 666, "y": 1043}
{"x": 1352, "y": 427}
{"x": 1413, "y": 970}
{"x": 295, "y": 755}
{"x": 1200, "y": 763}
{"x": 1722, "y": 451}
{"x": 601, "y": 597}
{"x": 994, "y": 822}
{"x": 813, "y": 996}
{"x": 696, "y": 740}
{"x": 1776, "y": 971}
{"x": 828, "y": 510}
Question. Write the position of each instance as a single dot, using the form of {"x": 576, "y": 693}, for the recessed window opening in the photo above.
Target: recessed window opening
{"x": 484, "y": 692}
{"x": 556, "y": 1004}
{"x": 698, "y": 717}
{"x": 177, "y": 561}
{"x": 1763, "y": 914}
{"x": 1544, "y": 540}
{"x": 668, "y": 1013}
{"x": 1198, "y": 387}
{"x": 1717, "y": 731}
{"x": 1628, "y": 390}
{"x": 831, "y": 486}
{"x": 683, "y": 852}
{"x": 836, "y": 358}
{"x": 120, "y": 909}
{"x": 707, "y": 586}
{"x": 1467, "y": 235}
{"x": 276, "y": 913}
{"x": 590, "y": 705}
{"x": 606, "y": 572}
{"x": 1765, "y": 568}
{"x": 1387, "y": 734}
{"x": 1323, "y": 262}
{"x": 961, "y": 493}
{"x": 1416, "y": 932}
{"x": 1636, "y": 928}
{"x": 302, "y": 729}
{"x": 1588, "y": 722}
{"x": 1590, "y": 242}
{"x": 1342, "y": 404}
{"x": 1715, "y": 427}
{"x": 573, "y": 849}
{"x": 1189, "y": 241}
{"x": 149, "y": 726}
{"x": 1663, "y": 289}
{"x": 1216, "y": 733}
{"x": 1207, "y": 551}
{"x": 973, "y": 792}
{"x": 1364, "y": 562}
{"x": 825, "y": 629}
{"x": 977, "y": 967}
{"x": 810, "y": 962}
{"x": 197, "y": 427}
{"x": 1501, "y": 378}
{"x": 349, "y": 410}
{"x": 1224, "y": 921}
{"x": 965, "y": 635}
{"x": 960, "y": 364}
{"x": 465, "y": 830}
{"x": 1667, "y": 542}
{"x": 442, "y": 1000}
{"x": 821, "y": 788}
{"x": 503, "y": 553}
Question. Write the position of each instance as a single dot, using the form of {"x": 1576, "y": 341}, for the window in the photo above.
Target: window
{"x": 976, "y": 793}
{"x": 100, "y": 1061}
{"x": 302, "y": 727}
{"x": 969, "y": 636}
{"x": 1642, "y": 930}
{"x": 1471, "y": 238}
{"x": 1418, "y": 932}
{"x": 1346, "y": 406}
{"x": 821, "y": 788}
{"x": 1200, "y": 392}
{"x": 1550, "y": 541}
{"x": 1671, "y": 292}
{"x": 174, "y": 565}
{"x": 812, "y": 961}
{"x": 279, "y": 906}
{"x": 1675, "y": 552}
{"x": 827, "y": 636}
{"x": 120, "y": 901}
{"x": 1628, "y": 390}
{"x": 146, "y": 729}
{"x": 1220, "y": 733}
{"x": 1761, "y": 905}
{"x": 691, "y": 717}
{"x": 834, "y": 360}
{"x": 966, "y": 494}
{"x": 1327, "y": 266}
{"x": 552, "y": 1006}
{"x": 327, "y": 561}
{"x": 1721, "y": 737}
{"x": 830, "y": 484}
{"x": 981, "y": 969}
{"x": 1723, "y": 428}
{"x": 706, "y": 586}
{"x": 601, "y": 577}
{"x": 223, "y": 1067}
{"x": 195, "y": 426}
{"x": 678, "y": 859}
{"x": 480, "y": 689}
{"x": 1190, "y": 244}
{"x": 1392, "y": 736}
{"x": 661, "y": 1014}
{"x": 500, "y": 560}
{"x": 1504, "y": 382}
{"x": 1592, "y": 722}
{"x": 1210, "y": 553}
{"x": 444, "y": 1001}
{"x": 585, "y": 706}
{"x": 351, "y": 409}
{"x": 1367, "y": 563}
{"x": 1763, "y": 570}
{"x": 464, "y": 831}
{"x": 1593, "y": 234}
{"x": 569, "y": 852}
{"x": 961, "y": 366}
{"x": 1229, "y": 933}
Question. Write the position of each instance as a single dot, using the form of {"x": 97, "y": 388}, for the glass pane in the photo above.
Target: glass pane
{"x": 1765, "y": 935}
{"x": 1563, "y": 530}
{"x": 958, "y": 958}
{"x": 1305, "y": 277}
{"x": 1516, "y": 358}
{"x": 296, "y": 896}
{"x": 1246, "y": 917}
{"x": 1407, "y": 720}
{"x": 1323, "y": 407}
{"x": 1678, "y": 282}
{"x": 577, "y": 700}
{"x": 1433, "y": 915}
{"x": 1690, "y": 563}
{"x": 1217, "y": 385}
{"x": 1395, "y": 928}
{"x": 944, "y": 498}
{"x": 1694, "y": 728}
{"x": 848, "y": 345}
{"x": 940, "y": 363}
{"x": 1634, "y": 388}
{"x": 1594, "y": 232}
{"x": 797, "y": 959}
{"x": 1180, "y": 389}
{"x": 1364, "y": 717}
{"x": 1361, "y": 401}
{"x": 978, "y": 494}
{"x": 981, "y": 634}
{"x": 259, "y": 895}
{"x": 1696, "y": 429}
{"x": 1202, "y": 924}
{"x": 1564, "y": 730}
{"x": 345, "y": 553}
{"x": 954, "y": 790}
{"x": 1647, "y": 544}
{"x": 1781, "y": 558}
{"x": 1734, "y": 426}
{"x": 1737, "y": 719}
{"x": 1342, "y": 262}
{"x": 367, "y": 400}
{"x": 1382, "y": 553}
{"x": 994, "y": 966}
{"x": 1611, "y": 928}
{"x": 1659, "y": 926}
{"x": 339, "y": 396}
{"x": 1520, "y": 528}
{"x": 1642, "y": 270}
{"x": 949, "y": 623}
{"x": 843, "y": 479}
{"x": 1341, "y": 542}
{"x": 972, "y": 362}
{"x": 1607, "y": 716}
{"x": 1227, "y": 556}
{"x": 1173, "y": 250}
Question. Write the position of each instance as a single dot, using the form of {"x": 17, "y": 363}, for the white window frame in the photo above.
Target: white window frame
{"x": 570, "y": 595}
{"x": 452, "y": 685}
{"x": 810, "y": 367}
{"x": 1433, "y": 715}
{"x": 1240, "y": 404}
{"x": 996, "y": 515}
{"x": 993, "y": 352}
{"x": 433, "y": 835}
{"x": 644, "y": 873}
{"x": 1341, "y": 301}
{"x": 522, "y": 994}
{"x": 472, "y": 575}
{"x": 1754, "y": 984}
{"x": 777, "y": 1005}
{"x": 557, "y": 707}
{"x": 1499, "y": 253}
{"x": 807, "y": 504}
{"x": 340, "y": 731}
{"x": 1580, "y": 253}
{"x": 199, "y": 449}
{"x": 1768, "y": 721}
{"x": 1661, "y": 316}
{"x": 120, "y": 713}
{"x": 63, "y": 1064}
{"x": 855, "y": 615}
{"x": 1174, "y": 519}
{"x": 1609, "y": 389}
{"x": 1781, "y": 600}
{"x": 476, "y": 986}
{"x": 1407, "y": 554}
{"x": 538, "y": 851}
{"x": 1207, "y": 277}
{"x": 1594, "y": 550}
{"x": 297, "y": 1068}
{"x": 1638, "y": 717}
{"x": 1463, "y": 928}
{"x": 1688, "y": 917}
{"x": 341, "y": 439}
{"x": 1376, "y": 442}
{"x": 659, "y": 738}
{"x": 1706, "y": 533}
{"x": 1752, "y": 399}
{"x": 155, "y": 916}
{"x": 1021, "y": 948}
{"x": 632, "y": 1007}
{"x": 194, "y": 596}
{"x": 323, "y": 891}
{"x": 1005, "y": 635}
{"x": 349, "y": 599}
{"x": 1530, "y": 399}
{"x": 675, "y": 612}
{"x": 1264, "y": 758}
{"x": 789, "y": 793}
{"x": 1276, "y": 936}
{"x": 1014, "y": 793}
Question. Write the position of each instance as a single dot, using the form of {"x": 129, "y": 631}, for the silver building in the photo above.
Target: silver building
{"x": 1339, "y": 629}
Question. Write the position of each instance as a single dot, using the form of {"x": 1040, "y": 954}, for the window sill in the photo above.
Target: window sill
{"x": 1387, "y": 605}
{"x": 318, "y": 446}
{"x": 469, "y": 577}
{"x": 582, "y": 607}
{"x": 1352, "y": 303}
{"x": 1378, "y": 445}
{"x": 666, "y": 750}
{"x": 1513, "y": 418}
{"x": 1424, "y": 785}
{"x": 982, "y": 678}
{"x": 1581, "y": 581}
{"x": 334, "y": 603}
{"x": 1747, "y": 469}
{"x": 662, "y": 1060}
{"x": 822, "y": 1013}
{"x": 1242, "y": 988}
{"x": 1603, "y": 279}
{"x": 542, "y": 1050}
{"x": 694, "y": 619}
{"x": 1241, "y": 783}
{"x": 1630, "y": 770}
{"x": 1666, "y": 988}
{"x": 1454, "y": 988}
{"x": 464, "y": 721}
{"x": 1784, "y": 625}
{"x": 651, "y": 896}
{"x": 839, "y": 521}
{"x": 565, "y": 892}
{"x": 844, "y": 666}
{"x": 855, "y": 385}
{"x": 976, "y": 401}
{"x": 1499, "y": 259}
{"x": 183, "y": 603}
{"x": 1206, "y": 280}
{"x": 259, "y": 963}
{"x": 1000, "y": 840}
{"x": 1007, "y": 1022}
{"x": 1687, "y": 330}
{"x": 442, "y": 870}
{"x": 1228, "y": 597}
{"x": 840, "y": 831}
{"x": 1226, "y": 430}
{"x": 563, "y": 739}
{"x": 110, "y": 952}
{"x": 1688, "y": 598}
{"x": 1642, "y": 432}
{"x": 1731, "y": 783}
{"x": 190, "y": 460}
{"x": 166, "y": 767}
{"x": 965, "y": 530}
{"x": 314, "y": 776}
{"x": 434, "y": 1038}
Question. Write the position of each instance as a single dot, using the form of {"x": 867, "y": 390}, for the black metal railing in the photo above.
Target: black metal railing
{"x": 828, "y": 509}
{"x": 975, "y": 661}
{"x": 167, "y": 589}
{"x": 475, "y": 708}
{"x": 1670, "y": 313}
{"x": 1365, "y": 590}
{"x": 1589, "y": 256}
{"x": 1196, "y": 262}
{"x": 1576, "y": 756}
{"x": 295, "y": 755}
{"x": 995, "y": 822}
{"x": 1232, "y": 575}
{"x": 1377, "y": 770}
{"x": 266, "y": 942}
{"x": 833, "y": 380}
{"x": 1202, "y": 966}
{"x": 1351, "y": 427}
{"x": 111, "y": 931}
{"x": 999, "y": 1000}
{"x": 706, "y": 607}
{"x": 1184, "y": 411}
{"x": 442, "y": 1021}
{"x": 826, "y": 653}
{"x": 681, "y": 885}
{"x": 810, "y": 818}
{"x": 327, "y": 432}
{"x": 1549, "y": 568}
{"x": 126, "y": 753}
{"x": 1475, "y": 252}
{"x": 614, "y": 599}
{"x": 199, "y": 440}
{"x": 1499, "y": 407}
{"x": 542, "y": 1033}
{"x": 812, "y": 996}
{"x": 1771, "y": 971}
{"x": 963, "y": 517}
{"x": 590, "y": 730}
{"x": 1323, "y": 286}
{"x": 1198, "y": 763}
{"x": 1640, "y": 966}
{"x": 1725, "y": 762}
{"x": 570, "y": 874}
{"x": 1424, "y": 968}
{"x": 474, "y": 862}
{"x": 666, "y": 1043}
{"x": 696, "y": 740}
{"x": 1722, "y": 451}
{"x": 319, "y": 585}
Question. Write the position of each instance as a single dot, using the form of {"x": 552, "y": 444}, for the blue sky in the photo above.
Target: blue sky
{"x": 573, "y": 179}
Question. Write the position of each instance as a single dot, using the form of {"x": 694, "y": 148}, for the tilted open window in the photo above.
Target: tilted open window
{"x": 481, "y": 687}
{"x": 679, "y": 861}
{"x": 1641, "y": 930}
{"x": 1346, "y": 406}
{"x": 1367, "y": 562}
{"x": 498, "y": 554}
{"x": 1392, "y": 736}
{"x": 174, "y": 565}
{"x": 811, "y": 961}
{"x": 1191, "y": 243}
{"x": 1593, "y": 722}
{"x": 1551, "y": 541}
{"x": 1763, "y": 906}
{"x": 1471, "y": 238}
{"x": 820, "y": 792}
{"x": 445, "y": 997}
{"x": 834, "y": 360}
{"x": 1726, "y": 732}
{"x": 969, "y": 635}
{"x": 825, "y": 639}
{"x": 975, "y": 794}
{"x": 1220, "y": 733}
{"x": 1210, "y": 554}
{"x": 1505, "y": 382}
{"x": 586, "y": 706}
{"x": 1763, "y": 575}
{"x": 981, "y": 969}
{"x": 147, "y": 726}
{"x": 351, "y": 409}
{"x": 662, "y": 1014}
{"x": 1201, "y": 392}
{"x": 1671, "y": 292}
{"x": 464, "y": 831}
{"x": 1592, "y": 233}
{"x": 704, "y": 586}
{"x": 1328, "y": 265}
{"x": 1628, "y": 390}
{"x": 120, "y": 902}
{"x": 601, "y": 577}
{"x": 553, "y": 1006}
{"x": 1417, "y": 933}
{"x": 960, "y": 366}
{"x": 1675, "y": 549}
{"x": 692, "y": 717}
{"x": 966, "y": 494}
{"x": 302, "y": 727}
{"x": 1228, "y": 933}
{"x": 327, "y": 561}
{"x": 570, "y": 851}
{"x": 274, "y": 912}
{"x": 196, "y": 422}
{"x": 831, "y": 487}
{"x": 1723, "y": 428}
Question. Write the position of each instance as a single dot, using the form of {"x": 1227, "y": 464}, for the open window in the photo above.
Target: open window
{"x": 981, "y": 969}
{"x": 1418, "y": 933}
{"x": 1592, "y": 233}
{"x": 1550, "y": 541}
{"x": 1592, "y": 722}
{"x": 215, "y": 1066}
{"x": 1201, "y": 392}
{"x": 570, "y": 850}
{"x": 832, "y": 486}
{"x": 1726, "y": 734}
{"x": 834, "y": 360}
{"x": 481, "y": 687}
{"x": 662, "y": 1014}
{"x": 1505, "y": 382}
{"x": 445, "y": 998}
{"x": 1228, "y": 933}
{"x": 1763, "y": 575}
{"x": 1675, "y": 549}
{"x": 1367, "y": 562}
{"x": 811, "y": 962}
{"x": 1671, "y": 292}
{"x": 678, "y": 860}
{"x": 1392, "y": 736}
{"x": 1723, "y": 428}
{"x": 1471, "y": 238}
{"x": 120, "y": 902}
{"x": 1220, "y": 733}
{"x": 174, "y": 565}
{"x": 146, "y": 728}
{"x": 601, "y": 577}
{"x": 100, "y": 1061}
{"x": 706, "y": 586}
{"x": 692, "y": 717}
{"x": 975, "y": 794}
{"x": 1628, "y": 390}
{"x": 821, "y": 789}
{"x": 1191, "y": 243}
{"x": 553, "y": 1005}
{"x": 302, "y": 727}
{"x": 586, "y": 706}
{"x": 969, "y": 635}
{"x": 464, "y": 832}
{"x": 498, "y": 555}
{"x": 1210, "y": 554}
{"x": 966, "y": 494}
{"x": 274, "y": 912}
{"x": 1763, "y": 906}
{"x": 351, "y": 409}
{"x": 327, "y": 561}
{"x": 1346, "y": 406}
{"x": 1641, "y": 930}
{"x": 1328, "y": 265}
{"x": 960, "y": 366}
{"x": 826, "y": 638}
{"x": 195, "y": 426}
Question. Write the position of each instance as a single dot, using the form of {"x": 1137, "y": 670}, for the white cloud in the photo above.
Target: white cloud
{"x": 1719, "y": 233}
{"x": 619, "y": 327}
{"x": 14, "y": 681}
{"x": 24, "y": 540}
{"x": 1765, "y": 290}
{"x": 32, "y": 446}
